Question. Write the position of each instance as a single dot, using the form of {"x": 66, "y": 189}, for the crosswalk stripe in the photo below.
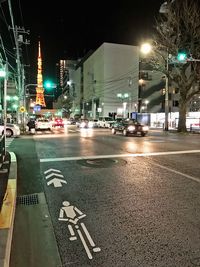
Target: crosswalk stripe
{"x": 9, "y": 141}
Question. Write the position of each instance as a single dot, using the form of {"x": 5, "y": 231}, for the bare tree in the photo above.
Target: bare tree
{"x": 178, "y": 29}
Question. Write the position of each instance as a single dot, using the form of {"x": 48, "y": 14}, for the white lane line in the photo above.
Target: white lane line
{"x": 177, "y": 172}
{"x": 121, "y": 155}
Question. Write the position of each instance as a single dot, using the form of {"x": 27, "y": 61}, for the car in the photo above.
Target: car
{"x": 58, "y": 122}
{"x": 93, "y": 123}
{"x": 129, "y": 127}
{"x": 194, "y": 127}
{"x": 43, "y": 124}
{"x": 12, "y": 130}
{"x": 105, "y": 122}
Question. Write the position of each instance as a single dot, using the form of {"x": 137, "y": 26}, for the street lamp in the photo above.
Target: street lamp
{"x": 145, "y": 49}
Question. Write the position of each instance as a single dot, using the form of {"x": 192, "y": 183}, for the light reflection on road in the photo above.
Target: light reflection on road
{"x": 86, "y": 132}
{"x": 134, "y": 147}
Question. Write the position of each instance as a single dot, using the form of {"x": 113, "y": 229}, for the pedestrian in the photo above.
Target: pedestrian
{"x": 31, "y": 125}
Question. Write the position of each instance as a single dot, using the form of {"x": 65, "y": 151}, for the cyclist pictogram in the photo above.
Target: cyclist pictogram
{"x": 72, "y": 215}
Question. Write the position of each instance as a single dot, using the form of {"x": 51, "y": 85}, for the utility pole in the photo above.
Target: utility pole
{"x": 19, "y": 40}
{"x": 17, "y": 48}
{"x": 166, "y": 127}
{"x": 19, "y": 33}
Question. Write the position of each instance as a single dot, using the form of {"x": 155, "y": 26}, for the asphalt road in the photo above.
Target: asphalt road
{"x": 137, "y": 200}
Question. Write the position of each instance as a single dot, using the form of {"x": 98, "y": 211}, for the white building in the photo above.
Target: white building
{"x": 110, "y": 81}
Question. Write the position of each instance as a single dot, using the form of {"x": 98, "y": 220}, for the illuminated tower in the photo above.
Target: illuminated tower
{"x": 39, "y": 89}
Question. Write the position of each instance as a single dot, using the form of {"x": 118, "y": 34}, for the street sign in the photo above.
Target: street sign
{"x": 37, "y": 108}
{"x": 22, "y": 109}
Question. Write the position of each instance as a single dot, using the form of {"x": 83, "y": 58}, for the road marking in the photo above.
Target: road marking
{"x": 72, "y": 215}
{"x": 51, "y": 170}
{"x": 121, "y": 155}
{"x": 56, "y": 182}
{"x": 177, "y": 172}
{"x": 9, "y": 141}
{"x": 54, "y": 174}
{"x": 85, "y": 245}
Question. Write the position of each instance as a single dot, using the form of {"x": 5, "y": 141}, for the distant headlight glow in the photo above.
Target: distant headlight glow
{"x": 90, "y": 124}
{"x": 83, "y": 124}
{"x": 145, "y": 128}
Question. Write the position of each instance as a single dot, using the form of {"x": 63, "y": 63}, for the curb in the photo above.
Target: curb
{"x": 7, "y": 214}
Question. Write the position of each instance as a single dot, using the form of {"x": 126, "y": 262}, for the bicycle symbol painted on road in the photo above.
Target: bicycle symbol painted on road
{"x": 73, "y": 215}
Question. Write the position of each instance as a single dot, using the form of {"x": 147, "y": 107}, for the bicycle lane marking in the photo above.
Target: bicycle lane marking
{"x": 72, "y": 215}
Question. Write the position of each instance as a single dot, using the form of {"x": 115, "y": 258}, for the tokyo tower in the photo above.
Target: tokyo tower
{"x": 39, "y": 89}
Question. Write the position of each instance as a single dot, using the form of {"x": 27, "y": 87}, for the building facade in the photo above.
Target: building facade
{"x": 113, "y": 81}
{"x": 107, "y": 82}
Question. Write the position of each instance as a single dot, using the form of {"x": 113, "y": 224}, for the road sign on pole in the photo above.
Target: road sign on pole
{"x": 22, "y": 109}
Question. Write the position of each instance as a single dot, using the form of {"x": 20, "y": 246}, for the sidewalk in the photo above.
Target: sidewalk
{"x": 7, "y": 214}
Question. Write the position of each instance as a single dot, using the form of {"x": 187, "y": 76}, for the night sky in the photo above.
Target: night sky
{"x": 69, "y": 29}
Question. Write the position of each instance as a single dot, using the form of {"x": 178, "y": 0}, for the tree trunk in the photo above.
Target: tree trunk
{"x": 182, "y": 117}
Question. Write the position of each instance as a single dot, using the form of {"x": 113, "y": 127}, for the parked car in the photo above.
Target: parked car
{"x": 129, "y": 127}
{"x": 11, "y": 129}
{"x": 43, "y": 124}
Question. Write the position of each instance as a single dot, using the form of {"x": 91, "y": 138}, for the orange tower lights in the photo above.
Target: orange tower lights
{"x": 39, "y": 89}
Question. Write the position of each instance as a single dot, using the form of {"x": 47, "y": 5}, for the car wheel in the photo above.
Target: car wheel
{"x": 143, "y": 134}
{"x": 113, "y": 131}
{"x": 124, "y": 132}
{"x": 9, "y": 133}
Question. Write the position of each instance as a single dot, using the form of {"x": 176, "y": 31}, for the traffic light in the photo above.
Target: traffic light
{"x": 182, "y": 56}
{"x": 48, "y": 84}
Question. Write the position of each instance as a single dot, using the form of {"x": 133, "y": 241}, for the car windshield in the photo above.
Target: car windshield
{"x": 43, "y": 120}
{"x": 130, "y": 122}
{"x": 108, "y": 119}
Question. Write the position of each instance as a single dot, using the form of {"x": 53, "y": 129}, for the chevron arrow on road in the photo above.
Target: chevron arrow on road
{"x": 54, "y": 174}
{"x": 56, "y": 182}
{"x": 52, "y": 170}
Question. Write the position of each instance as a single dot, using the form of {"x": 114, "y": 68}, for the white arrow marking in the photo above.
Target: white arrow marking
{"x": 54, "y": 174}
{"x": 57, "y": 182}
{"x": 50, "y": 170}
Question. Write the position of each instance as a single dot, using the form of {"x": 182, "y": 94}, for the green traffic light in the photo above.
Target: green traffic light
{"x": 48, "y": 85}
{"x": 181, "y": 56}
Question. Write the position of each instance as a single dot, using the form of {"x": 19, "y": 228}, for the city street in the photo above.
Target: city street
{"x": 97, "y": 199}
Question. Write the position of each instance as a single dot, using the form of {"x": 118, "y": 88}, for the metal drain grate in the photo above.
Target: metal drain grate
{"x": 28, "y": 200}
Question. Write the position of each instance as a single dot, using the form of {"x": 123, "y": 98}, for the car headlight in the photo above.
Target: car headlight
{"x": 131, "y": 128}
{"x": 145, "y": 128}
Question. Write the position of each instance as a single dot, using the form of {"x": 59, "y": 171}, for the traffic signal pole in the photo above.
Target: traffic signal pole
{"x": 166, "y": 127}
